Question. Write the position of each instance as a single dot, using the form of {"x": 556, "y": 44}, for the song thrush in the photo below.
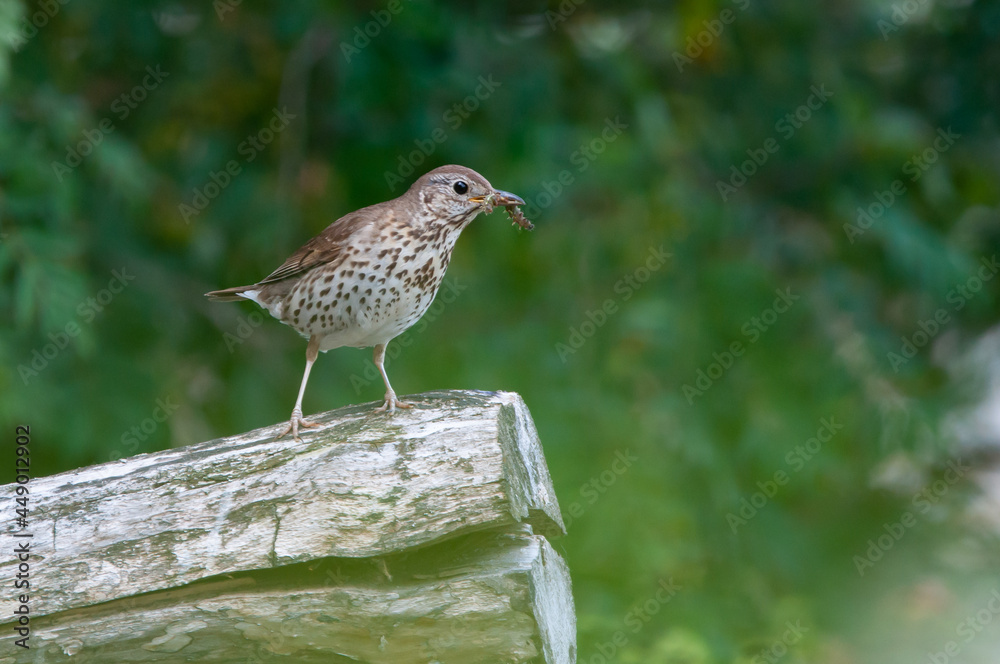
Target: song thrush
{"x": 374, "y": 272}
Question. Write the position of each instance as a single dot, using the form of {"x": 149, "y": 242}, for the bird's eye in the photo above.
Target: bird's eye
{"x": 461, "y": 187}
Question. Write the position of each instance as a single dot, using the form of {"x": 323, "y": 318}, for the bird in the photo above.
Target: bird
{"x": 372, "y": 273}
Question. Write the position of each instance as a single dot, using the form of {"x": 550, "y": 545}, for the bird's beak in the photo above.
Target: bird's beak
{"x": 497, "y": 199}
{"x": 504, "y": 198}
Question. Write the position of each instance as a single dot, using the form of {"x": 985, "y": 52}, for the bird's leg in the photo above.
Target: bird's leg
{"x": 312, "y": 351}
{"x": 391, "y": 402}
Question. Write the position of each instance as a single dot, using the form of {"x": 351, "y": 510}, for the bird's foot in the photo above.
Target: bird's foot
{"x": 392, "y": 403}
{"x": 294, "y": 424}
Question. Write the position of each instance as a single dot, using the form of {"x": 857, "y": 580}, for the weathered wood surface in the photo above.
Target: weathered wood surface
{"x": 502, "y": 597}
{"x": 365, "y": 484}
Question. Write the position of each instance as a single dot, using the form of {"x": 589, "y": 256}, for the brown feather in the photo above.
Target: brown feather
{"x": 327, "y": 247}
{"x": 228, "y": 294}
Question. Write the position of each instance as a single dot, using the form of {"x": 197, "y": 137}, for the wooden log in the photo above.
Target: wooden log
{"x": 501, "y": 597}
{"x": 364, "y": 489}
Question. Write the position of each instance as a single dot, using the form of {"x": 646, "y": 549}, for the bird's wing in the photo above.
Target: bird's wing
{"x": 327, "y": 247}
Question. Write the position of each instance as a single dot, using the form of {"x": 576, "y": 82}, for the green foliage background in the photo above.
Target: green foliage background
{"x": 564, "y": 70}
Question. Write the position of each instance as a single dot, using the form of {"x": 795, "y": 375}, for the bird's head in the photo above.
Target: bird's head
{"x": 456, "y": 194}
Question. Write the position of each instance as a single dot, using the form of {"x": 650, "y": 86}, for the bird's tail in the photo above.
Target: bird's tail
{"x": 229, "y": 294}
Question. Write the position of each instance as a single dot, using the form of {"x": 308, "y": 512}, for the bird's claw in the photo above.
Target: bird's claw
{"x": 392, "y": 403}
{"x": 293, "y": 426}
